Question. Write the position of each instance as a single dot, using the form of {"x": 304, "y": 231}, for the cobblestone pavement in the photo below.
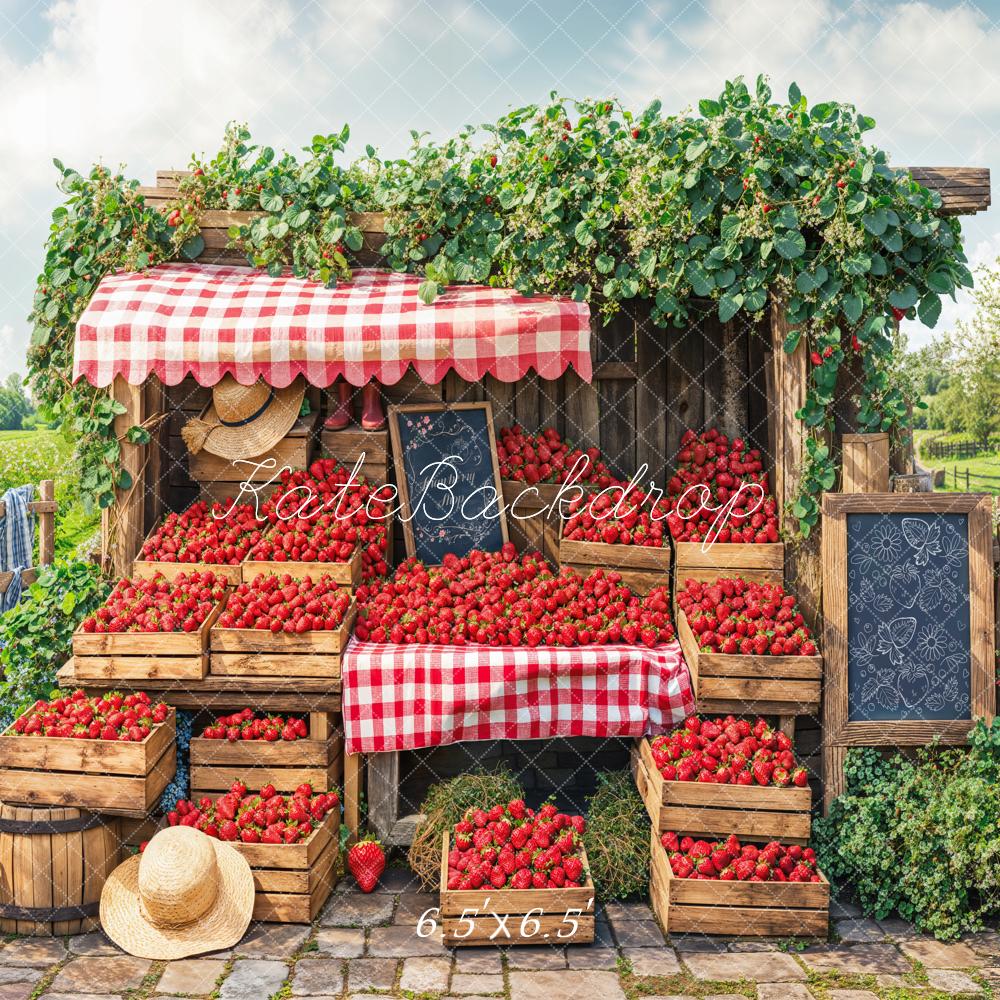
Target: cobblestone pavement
{"x": 368, "y": 945}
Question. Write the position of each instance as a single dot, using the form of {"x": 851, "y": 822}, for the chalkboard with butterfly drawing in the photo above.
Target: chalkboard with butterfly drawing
{"x": 908, "y": 617}
{"x": 448, "y": 478}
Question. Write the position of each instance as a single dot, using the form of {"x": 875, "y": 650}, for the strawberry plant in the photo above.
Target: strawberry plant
{"x": 502, "y": 599}
{"x": 731, "y": 861}
{"x": 749, "y": 199}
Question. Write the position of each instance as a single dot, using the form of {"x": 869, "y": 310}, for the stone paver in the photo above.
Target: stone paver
{"x": 950, "y": 981}
{"x": 858, "y": 930}
{"x": 413, "y": 905}
{"x": 840, "y": 909}
{"x": 340, "y": 942}
{"x": 859, "y": 959}
{"x": 252, "y": 979}
{"x": 16, "y": 991}
{"x": 783, "y": 991}
{"x": 371, "y": 973}
{"x": 453, "y": 996}
{"x": 191, "y": 975}
{"x": 397, "y": 880}
{"x": 764, "y": 967}
{"x": 895, "y": 928}
{"x": 275, "y": 941}
{"x": 403, "y": 942}
{"x": 94, "y": 943}
{"x": 371, "y": 996}
{"x": 564, "y": 985}
{"x": 851, "y": 995}
{"x": 984, "y": 942}
{"x": 698, "y": 944}
{"x": 478, "y": 960}
{"x": 318, "y": 977}
{"x": 540, "y": 959}
{"x": 616, "y": 912}
{"x": 939, "y": 955}
{"x": 357, "y": 910}
{"x": 427, "y": 975}
{"x": 593, "y": 958}
{"x": 751, "y": 946}
{"x": 477, "y": 984}
{"x": 724, "y": 996}
{"x": 638, "y": 934}
{"x": 603, "y": 937}
{"x": 100, "y": 974}
{"x": 33, "y": 951}
{"x": 652, "y": 961}
{"x": 19, "y": 974}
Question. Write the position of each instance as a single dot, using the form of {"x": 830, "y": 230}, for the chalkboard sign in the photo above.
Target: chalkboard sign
{"x": 448, "y": 478}
{"x": 908, "y": 613}
{"x": 908, "y": 651}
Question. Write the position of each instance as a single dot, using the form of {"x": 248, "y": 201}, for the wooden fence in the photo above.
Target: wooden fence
{"x": 951, "y": 450}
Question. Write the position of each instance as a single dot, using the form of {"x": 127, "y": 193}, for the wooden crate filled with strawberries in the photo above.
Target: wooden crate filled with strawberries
{"x": 214, "y": 537}
{"x": 723, "y": 518}
{"x": 718, "y": 776}
{"x": 626, "y": 532}
{"x": 111, "y": 754}
{"x": 512, "y": 876}
{"x": 150, "y": 629}
{"x": 734, "y": 887}
{"x": 503, "y": 599}
{"x": 292, "y": 844}
{"x": 319, "y": 522}
{"x": 279, "y": 626}
{"x": 283, "y": 751}
{"x": 748, "y": 648}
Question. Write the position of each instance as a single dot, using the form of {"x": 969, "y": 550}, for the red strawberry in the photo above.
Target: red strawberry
{"x": 366, "y": 860}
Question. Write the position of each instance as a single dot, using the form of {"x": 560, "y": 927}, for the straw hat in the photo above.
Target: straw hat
{"x": 187, "y": 893}
{"x": 244, "y": 421}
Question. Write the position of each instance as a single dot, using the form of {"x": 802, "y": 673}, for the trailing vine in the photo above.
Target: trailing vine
{"x": 748, "y": 199}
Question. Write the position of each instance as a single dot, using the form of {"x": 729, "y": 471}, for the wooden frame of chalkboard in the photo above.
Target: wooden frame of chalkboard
{"x": 841, "y": 730}
{"x": 394, "y": 413}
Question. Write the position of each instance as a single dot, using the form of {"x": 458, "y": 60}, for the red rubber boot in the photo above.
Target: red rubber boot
{"x": 372, "y": 414}
{"x": 341, "y": 417}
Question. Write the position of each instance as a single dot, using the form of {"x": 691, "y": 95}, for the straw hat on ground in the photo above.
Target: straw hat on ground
{"x": 187, "y": 893}
{"x": 244, "y": 421}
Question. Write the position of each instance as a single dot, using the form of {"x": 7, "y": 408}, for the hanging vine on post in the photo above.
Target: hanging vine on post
{"x": 748, "y": 199}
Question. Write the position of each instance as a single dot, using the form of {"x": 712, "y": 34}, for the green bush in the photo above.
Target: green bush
{"x": 920, "y": 837}
{"x": 617, "y": 838}
{"x": 36, "y": 636}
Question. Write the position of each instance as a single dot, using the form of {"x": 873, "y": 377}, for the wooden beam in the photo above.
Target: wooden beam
{"x": 47, "y": 523}
{"x": 122, "y": 529}
{"x": 963, "y": 190}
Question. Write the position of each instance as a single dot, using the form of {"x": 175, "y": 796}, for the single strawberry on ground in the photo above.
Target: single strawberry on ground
{"x": 366, "y": 861}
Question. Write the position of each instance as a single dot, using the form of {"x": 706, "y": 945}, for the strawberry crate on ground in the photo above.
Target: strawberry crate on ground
{"x": 746, "y": 909}
{"x": 120, "y": 778}
{"x": 293, "y": 881}
{"x": 317, "y": 759}
{"x": 249, "y": 652}
{"x": 642, "y": 567}
{"x": 766, "y": 684}
{"x": 516, "y": 916}
{"x": 763, "y": 563}
{"x": 709, "y": 809}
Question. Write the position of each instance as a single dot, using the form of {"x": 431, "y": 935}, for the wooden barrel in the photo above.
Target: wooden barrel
{"x": 53, "y": 863}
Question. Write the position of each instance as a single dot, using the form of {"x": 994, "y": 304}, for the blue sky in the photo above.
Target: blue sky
{"x": 143, "y": 83}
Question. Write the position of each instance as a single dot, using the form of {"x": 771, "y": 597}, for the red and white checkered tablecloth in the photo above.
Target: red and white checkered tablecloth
{"x": 408, "y": 696}
{"x": 209, "y": 320}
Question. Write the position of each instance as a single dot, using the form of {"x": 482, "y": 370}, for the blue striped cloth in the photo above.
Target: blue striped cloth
{"x": 17, "y": 539}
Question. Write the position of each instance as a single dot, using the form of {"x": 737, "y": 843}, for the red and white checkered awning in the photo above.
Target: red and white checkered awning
{"x": 206, "y": 320}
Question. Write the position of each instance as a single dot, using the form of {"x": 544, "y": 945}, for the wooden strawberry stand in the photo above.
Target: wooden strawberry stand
{"x": 642, "y": 567}
{"x": 749, "y": 811}
{"x": 293, "y": 881}
{"x": 121, "y": 779}
{"x": 699, "y": 561}
{"x": 747, "y": 909}
{"x": 347, "y": 573}
{"x": 515, "y": 916}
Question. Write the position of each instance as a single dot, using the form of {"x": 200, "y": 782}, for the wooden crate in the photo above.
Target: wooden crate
{"x": 346, "y": 574}
{"x": 141, "y": 656}
{"x": 146, "y": 569}
{"x": 293, "y": 881}
{"x": 248, "y": 652}
{"x": 294, "y": 451}
{"x": 532, "y": 525}
{"x": 642, "y": 567}
{"x": 750, "y": 811}
{"x": 516, "y": 916}
{"x": 123, "y": 779}
{"x": 760, "y": 563}
{"x": 747, "y": 909}
{"x": 762, "y": 685}
{"x": 864, "y": 463}
{"x": 348, "y": 445}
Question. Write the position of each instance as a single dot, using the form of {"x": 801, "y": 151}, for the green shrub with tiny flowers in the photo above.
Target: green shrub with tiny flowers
{"x": 747, "y": 199}
{"x": 919, "y": 837}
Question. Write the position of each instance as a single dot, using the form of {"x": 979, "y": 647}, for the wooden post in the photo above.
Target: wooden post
{"x": 383, "y": 792}
{"x": 46, "y": 524}
{"x": 122, "y": 528}
{"x": 352, "y": 795}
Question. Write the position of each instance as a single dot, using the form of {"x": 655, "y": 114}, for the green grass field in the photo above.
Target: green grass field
{"x": 30, "y": 456}
{"x": 984, "y": 470}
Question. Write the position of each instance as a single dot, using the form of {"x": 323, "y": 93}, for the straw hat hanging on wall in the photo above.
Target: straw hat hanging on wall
{"x": 244, "y": 421}
{"x": 187, "y": 893}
